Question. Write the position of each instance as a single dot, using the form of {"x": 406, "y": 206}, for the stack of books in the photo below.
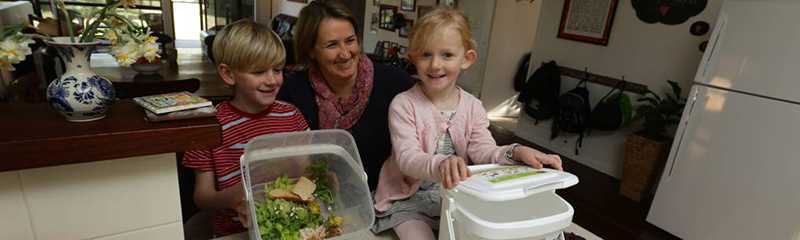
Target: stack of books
{"x": 174, "y": 106}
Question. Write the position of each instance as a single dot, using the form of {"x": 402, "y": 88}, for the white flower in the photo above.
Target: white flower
{"x": 112, "y": 36}
{"x": 126, "y": 54}
{"x": 13, "y": 51}
{"x": 150, "y": 51}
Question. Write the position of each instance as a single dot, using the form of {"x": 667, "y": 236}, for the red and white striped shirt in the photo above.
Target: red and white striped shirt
{"x": 238, "y": 128}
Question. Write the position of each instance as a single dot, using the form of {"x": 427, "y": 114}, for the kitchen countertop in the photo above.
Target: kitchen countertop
{"x": 34, "y": 135}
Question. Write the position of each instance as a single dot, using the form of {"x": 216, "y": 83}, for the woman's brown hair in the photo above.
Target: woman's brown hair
{"x": 308, "y": 24}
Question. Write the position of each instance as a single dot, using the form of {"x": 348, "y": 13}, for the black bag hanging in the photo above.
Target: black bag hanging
{"x": 608, "y": 114}
{"x": 540, "y": 94}
{"x": 522, "y": 72}
{"x": 573, "y": 113}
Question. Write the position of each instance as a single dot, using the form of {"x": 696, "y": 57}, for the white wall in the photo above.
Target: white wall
{"x": 286, "y": 7}
{"x": 480, "y": 14}
{"x": 513, "y": 34}
{"x": 649, "y": 54}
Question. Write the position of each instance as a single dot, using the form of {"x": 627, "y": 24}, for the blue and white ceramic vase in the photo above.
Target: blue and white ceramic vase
{"x": 79, "y": 94}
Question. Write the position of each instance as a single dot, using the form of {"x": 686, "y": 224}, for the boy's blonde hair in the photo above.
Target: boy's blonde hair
{"x": 247, "y": 46}
{"x": 435, "y": 21}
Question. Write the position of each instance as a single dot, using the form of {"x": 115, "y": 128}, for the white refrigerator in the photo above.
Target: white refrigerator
{"x": 734, "y": 168}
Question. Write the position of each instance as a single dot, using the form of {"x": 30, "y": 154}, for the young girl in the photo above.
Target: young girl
{"x": 436, "y": 130}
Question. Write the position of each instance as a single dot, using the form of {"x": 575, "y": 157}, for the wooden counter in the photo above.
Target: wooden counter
{"x": 114, "y": 178}
{"x": 34, "y": 135}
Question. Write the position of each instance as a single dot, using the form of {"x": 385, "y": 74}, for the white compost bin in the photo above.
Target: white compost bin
{"x": 507, "y": 202}
{"x": 273, "y": 155}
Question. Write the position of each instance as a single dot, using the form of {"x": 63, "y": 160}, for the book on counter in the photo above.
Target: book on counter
{"x": 171, "y": 102}
{"x": 208, "y": 111}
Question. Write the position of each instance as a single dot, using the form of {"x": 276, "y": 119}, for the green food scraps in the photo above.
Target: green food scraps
{"x": 282, "y": 219}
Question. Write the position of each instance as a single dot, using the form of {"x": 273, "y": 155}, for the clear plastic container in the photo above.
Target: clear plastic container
{"x": 270, "y": 156}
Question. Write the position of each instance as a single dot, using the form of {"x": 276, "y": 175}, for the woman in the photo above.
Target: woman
{"x": 340, "y": 87}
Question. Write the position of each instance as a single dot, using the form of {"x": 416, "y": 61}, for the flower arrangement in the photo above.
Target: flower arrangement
{"x": 13, "y": 46}
{"x": 134, "y": 47}
{"x": 130, "y": 42}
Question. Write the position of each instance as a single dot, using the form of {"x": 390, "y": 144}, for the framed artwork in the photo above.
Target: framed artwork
{"x": 373, "y": 24}
{"x": 422, "y": 10}
{"x": 402, "y": 51}
{"x": 448, "y": 3}
{"x": 380, "y": 49}
{"x": 406, "y": 29}
{"x": 299, "y": 1}
{"x": 387, "y": 17}
{"x": 408, "y": 5}
{"x": 587, "y": 20}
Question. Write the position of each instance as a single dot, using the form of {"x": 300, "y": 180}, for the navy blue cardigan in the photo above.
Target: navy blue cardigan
{"x": 371, "y": 131}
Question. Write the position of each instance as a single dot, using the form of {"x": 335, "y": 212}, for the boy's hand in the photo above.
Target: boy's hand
{"x": 242, "y": 209}
{"x": 453, "y": 170}
{"x": 537, "y": 159}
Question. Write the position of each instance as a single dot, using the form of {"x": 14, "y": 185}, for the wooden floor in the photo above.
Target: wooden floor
{"x": 599, "y": 208}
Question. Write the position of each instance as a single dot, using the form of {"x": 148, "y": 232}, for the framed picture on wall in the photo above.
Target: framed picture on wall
{"x": 406, "y": 29}
{"x": 448, "y": 3}
{"x": 299, "y": 1}
{"x": 587, "y": 20}
{"x": 408, "y": 5}
{"x": 387, "y": 17}
{"x": 422, "y": 10}
{"x": 373, "y": 24}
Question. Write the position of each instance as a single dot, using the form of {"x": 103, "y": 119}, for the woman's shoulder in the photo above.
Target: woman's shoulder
{"x": 295, "y": 76}
{"x": 391, "y": 77}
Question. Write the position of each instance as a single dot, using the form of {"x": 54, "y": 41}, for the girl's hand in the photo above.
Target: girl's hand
{"x": 537, "y": 159}
{"x": 453, "y": 170}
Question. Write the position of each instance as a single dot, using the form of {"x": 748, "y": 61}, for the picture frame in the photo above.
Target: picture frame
{"x": 581, "y": 21}
{"x": 386, "y": 14}
{"x": 447, "y": 3}
{"x": 380, "y": 49}
{"x": 373, "y": 24}
{"x": 299, "y": 1}
{"x": 402, "y": 51}
{"x": 408, "y": 5}
{"x": 422, "y": 10}
{"x": 406, "y": 29}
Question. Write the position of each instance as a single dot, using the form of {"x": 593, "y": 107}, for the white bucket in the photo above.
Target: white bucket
{"x": 522, "y": 207}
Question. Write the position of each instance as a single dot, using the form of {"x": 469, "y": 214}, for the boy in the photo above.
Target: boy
{"x": 250, "y": 59}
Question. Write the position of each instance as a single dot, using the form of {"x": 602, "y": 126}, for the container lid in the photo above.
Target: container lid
{"x": 493, "y": 182}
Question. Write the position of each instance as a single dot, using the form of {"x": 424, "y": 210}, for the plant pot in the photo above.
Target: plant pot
{"x": 146, "y": 68}
{"x": 644, "y": 161}
{"x": 79, "y": 94}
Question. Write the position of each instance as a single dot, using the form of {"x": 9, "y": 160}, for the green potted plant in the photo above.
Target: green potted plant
{"x": 646, "y": 150}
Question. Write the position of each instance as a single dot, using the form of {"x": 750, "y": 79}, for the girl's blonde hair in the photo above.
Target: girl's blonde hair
{"x": 435, "y": 21}
{"x": 247, "y": 46}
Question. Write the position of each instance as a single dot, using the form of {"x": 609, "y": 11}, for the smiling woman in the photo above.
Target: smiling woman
{"x": 340, "y": 87}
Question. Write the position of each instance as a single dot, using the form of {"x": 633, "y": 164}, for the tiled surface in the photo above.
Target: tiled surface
{"x": 165, "y": 232}
{"x": 15, "y": 223}
{"x": 102, "y": 198}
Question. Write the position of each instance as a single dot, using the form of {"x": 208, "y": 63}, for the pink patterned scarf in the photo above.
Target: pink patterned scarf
{"x": 342, "y": 112}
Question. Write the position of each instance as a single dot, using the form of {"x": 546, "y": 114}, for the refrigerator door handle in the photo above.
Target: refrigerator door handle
{"x": 714, "y": 40}
{"x": 682, "y": 127}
